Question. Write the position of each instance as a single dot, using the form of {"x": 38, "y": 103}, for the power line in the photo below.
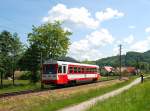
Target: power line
{"x": 11, "y": 29}
{"x": 8, "y": 28}
{"x": 14, "y": 22}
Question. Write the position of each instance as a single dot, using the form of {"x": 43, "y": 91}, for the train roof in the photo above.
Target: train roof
{"x": 66, "y": 63}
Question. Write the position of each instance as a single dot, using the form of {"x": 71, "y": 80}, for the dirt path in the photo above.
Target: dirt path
{"x": 17, "y": 103}
{"x": 85, "y": 105}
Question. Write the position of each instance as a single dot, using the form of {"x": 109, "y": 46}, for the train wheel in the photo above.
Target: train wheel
{"x": 94, "y": 80}
{"x": 73, "y": 83}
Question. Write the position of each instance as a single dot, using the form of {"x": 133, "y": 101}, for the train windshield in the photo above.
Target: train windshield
{"x": 50, "y": 69}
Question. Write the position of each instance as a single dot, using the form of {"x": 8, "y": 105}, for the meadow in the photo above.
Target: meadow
{"x": 135, "y": 99}
{"x": 23, "y": 85}
{"x": 55, "y": 100}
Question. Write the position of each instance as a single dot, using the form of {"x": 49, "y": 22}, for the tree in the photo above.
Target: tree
{"x": 16, "y": 52}
{"x": 10, "y": 49}
{"x": 5, "y": 48}
{"x": 51, "y": 39}
{"x": 31, "y": 61}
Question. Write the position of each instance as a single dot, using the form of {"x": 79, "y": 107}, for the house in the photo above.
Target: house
{"x": 109, "y": 68}
{"x": 106, "y": 70}
{"x": 127, "y": 70}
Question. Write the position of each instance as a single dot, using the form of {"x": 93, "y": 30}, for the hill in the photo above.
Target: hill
{"x": 135, "y": 59}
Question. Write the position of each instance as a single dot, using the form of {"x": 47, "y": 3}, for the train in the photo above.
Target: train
{"x": 63, "y": 73}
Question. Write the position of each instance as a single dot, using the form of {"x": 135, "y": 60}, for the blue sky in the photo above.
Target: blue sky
{"x": 98, "y": 26}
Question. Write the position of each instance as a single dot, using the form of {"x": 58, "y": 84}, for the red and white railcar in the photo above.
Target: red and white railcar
{"x": 61, "y": 72}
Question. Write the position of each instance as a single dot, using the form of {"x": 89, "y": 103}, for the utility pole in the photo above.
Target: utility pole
{"x": 41, "y": 62}
{"x": 1, "y": 78}
{"x": 13, "y": 67}
{"x": 120, "y": 61}
{"x": 137, "y": 65}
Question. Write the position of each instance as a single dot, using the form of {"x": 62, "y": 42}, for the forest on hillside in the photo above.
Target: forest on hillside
{"x": 135, "y": 59}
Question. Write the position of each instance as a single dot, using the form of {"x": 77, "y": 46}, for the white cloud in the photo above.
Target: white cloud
{"x": 67, "y": 29}
{"x": 132, "y": 27}
{"x": 108, "y": 14}
{"x": 130, "y": 44}
{"x": 116, "y": 47}
{"x": 88, "y": 48}
{"x": 129, "y": 40}
{"x": 147, "y": 29}
{"x": 141, "y": 46}
{"x": 79, "y": 16}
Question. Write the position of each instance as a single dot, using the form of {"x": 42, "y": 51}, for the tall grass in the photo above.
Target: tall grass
{"x": 135, "y": 99}
{"x": 76, "y": 98}
{"x": 20, "y": 85}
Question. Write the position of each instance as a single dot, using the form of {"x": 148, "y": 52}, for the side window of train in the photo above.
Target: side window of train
{"x": 79, "y": 70}
{"x": 64, "y": 69}
{"x": 59, "y": 69}
{"x": 70, "y": 69}
{"x": 75, "y": 69}
{"x": 82, "y": 70}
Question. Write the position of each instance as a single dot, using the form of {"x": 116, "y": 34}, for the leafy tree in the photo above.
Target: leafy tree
{"x": 51, "y": 39}
{"x": 31, "y": 61}
{"x": 10, "y": 50}
{"x": 5, "y": 48}
{"x": 16, "y": 52}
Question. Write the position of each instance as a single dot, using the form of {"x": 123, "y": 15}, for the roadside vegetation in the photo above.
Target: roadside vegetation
{"x": 57, "y": 100}
{"x": 77, "y": 98}
{"x": 135, "y": 99}
{"x": 22, "y": 85}
{"x": 42, "y": 41}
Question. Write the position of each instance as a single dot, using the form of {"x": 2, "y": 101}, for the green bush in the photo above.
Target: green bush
{"x": 35, "y": 77}
{"x": 25, "y": 76}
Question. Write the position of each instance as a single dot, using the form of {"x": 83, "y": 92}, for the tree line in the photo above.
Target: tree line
{"x": 130, "y": 59}
{"x": 48, "y": 40}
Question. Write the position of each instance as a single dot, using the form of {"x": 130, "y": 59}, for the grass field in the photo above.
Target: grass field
{"x": 22, "y": 85}
{"x": 135, "y": 99}
{"x": 56, "y": 100}
{"x": 76, "y": 98}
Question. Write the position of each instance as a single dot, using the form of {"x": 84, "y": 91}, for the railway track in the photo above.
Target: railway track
{"x": 3, "y": 95}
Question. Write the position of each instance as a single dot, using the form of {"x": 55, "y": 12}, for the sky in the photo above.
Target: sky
{"x": 98, "y": 26}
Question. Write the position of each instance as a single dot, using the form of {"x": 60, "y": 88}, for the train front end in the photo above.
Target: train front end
{"x": 49, "y": 75}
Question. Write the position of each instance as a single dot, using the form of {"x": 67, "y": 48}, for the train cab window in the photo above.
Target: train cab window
{"x": 64, "y": 69}
{"x": 70, "y": 69}
{"x": 75, "y": 69}
{"x": 59, "y": 69}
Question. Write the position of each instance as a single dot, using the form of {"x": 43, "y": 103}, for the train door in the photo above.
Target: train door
{"x": 63, "y": 79}
{"x": 64, "y": 69}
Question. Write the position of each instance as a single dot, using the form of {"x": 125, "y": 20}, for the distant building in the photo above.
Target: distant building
{"x": 108, "y": 68}
{"x": 127, "y": 70}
